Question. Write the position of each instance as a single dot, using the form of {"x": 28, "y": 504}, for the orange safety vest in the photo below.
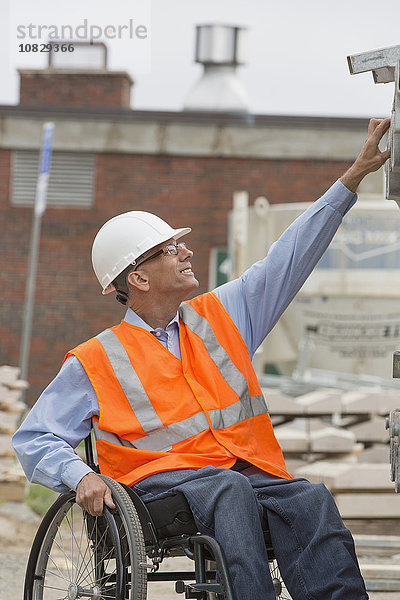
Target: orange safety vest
{"x": 158, "y": 413}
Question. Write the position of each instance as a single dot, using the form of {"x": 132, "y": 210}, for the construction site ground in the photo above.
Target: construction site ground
{"x": 18, "y": 525}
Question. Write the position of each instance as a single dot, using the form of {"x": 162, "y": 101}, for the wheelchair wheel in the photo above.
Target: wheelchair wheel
{"x": 279, "y": 585}
{"x": 75, "y": 555}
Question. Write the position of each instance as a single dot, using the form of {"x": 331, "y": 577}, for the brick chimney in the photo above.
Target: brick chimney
{"x": 75, "y": 87}
{"x": 78, "y": 78}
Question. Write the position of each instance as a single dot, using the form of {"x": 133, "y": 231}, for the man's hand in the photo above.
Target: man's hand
{"x": 91, "y": 492}
{"x": 370, "y": 158}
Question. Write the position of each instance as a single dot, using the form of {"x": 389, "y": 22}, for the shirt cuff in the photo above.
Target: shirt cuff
{"x": 73, "y": 473}
{"x": 340, "y": 197}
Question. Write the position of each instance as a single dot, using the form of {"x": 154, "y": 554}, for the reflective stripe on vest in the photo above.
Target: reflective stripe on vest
{"x": 160, "y": 440}
{"x": 247, "y": 406}
{"x": 129, "y": 381}
{"x": 160, "y": 437}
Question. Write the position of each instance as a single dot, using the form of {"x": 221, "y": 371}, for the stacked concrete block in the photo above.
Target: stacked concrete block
{"x": 314, "y": 436}
{"x": 372, "y": 431}
{"x": 281, "y": 404}
{"x": 350, "y": 418}
{"x": 361, "y": 490}
{"x": 12, "y": 478}
{"x": 363, "y": 402}
{"x": 332, "y": 439}
{"x": 382, "y": 581}
{"x": 338, "y": 437}
{"x": 368, "y": 506}
{"x": 370, "y": 401}
{"x": 390, "y": 400}
{"x": 321, "y": 402}
{"x": 330, "y": 401}
{"x": 377, "y": 453}
{"x": 292, "y": 440}
{"x": 342, "y": 477}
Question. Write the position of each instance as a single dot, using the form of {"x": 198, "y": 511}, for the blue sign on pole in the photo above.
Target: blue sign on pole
{"x": 47, "y": 143}
{"x": 44, "y": 169}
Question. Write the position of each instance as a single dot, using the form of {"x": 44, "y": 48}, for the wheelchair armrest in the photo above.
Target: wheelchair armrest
{"x": 172, "y": 516}
{"x": 167, "y": 517}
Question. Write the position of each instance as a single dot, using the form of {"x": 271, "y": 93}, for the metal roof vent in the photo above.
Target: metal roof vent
{"x": 220, "y": 49}
{"x": 85, "y": 55}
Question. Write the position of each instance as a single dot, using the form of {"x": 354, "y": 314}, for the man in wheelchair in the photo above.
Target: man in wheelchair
{"x": 176, "y": 405}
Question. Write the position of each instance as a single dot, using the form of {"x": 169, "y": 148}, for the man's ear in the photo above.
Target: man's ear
{"x": 139, "y": 280}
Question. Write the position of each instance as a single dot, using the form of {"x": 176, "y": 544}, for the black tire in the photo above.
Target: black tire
{"x": 75, "y": 555}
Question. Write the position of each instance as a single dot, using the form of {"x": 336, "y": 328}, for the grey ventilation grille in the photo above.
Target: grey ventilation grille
{"x": 71, "y": 182}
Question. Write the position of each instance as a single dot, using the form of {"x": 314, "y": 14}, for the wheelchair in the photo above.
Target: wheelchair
{"x": 75, "y": 555}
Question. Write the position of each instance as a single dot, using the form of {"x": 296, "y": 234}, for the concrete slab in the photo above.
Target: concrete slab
{"x": 281, "y": 404}
{"x": 9, "y": 422}
{"x": 378, "y": 453}
{"x": 347, "y": 476}
{"x": 332, "y": 439}
{"x": 342, "y": 457}
{"x": 362, "y": 402}
{"x": 306, "y": 424}
{"x": 6, "y": 448}
{"x": 379, "y": 595}
{"x": 292, "y": 440}
{"x": 323, "y": 401}
{"x": 8, "y": 374}
{"x": 311, "y": 424}
{"x": 373, "y": 430}
{"x": 368, "y": 506}
{"x": 390, "y": 400}
{"x": 382, "y": 586}
{"x": 11, "y": 470}
{"x": 9, "y": 400}
{"x": 381, "y": 572}
{"x": 322, "y": 472}
{"x": 377, "y": 541}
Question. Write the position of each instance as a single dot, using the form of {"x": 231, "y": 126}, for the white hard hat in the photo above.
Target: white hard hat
{"x": 123, "y": 239}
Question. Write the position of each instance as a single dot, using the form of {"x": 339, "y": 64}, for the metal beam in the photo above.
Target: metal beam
{"x": 385, "y": 66}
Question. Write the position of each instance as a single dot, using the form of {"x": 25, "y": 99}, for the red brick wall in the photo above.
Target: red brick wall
{"x": 108, "y": 90}
{"x": 185, "y": 191}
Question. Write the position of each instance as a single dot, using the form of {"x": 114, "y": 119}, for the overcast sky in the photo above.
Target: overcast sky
{"x": 296, "y": 49}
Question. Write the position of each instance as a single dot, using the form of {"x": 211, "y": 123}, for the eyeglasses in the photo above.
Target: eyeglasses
{"x": 169, "y": 249}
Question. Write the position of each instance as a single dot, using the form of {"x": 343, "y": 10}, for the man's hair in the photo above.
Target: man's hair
{"x": 120, "y": 282}
{"x": 121, "y": 285}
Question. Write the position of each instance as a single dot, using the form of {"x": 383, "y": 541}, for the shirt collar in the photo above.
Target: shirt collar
{"x": 133, "y": 319}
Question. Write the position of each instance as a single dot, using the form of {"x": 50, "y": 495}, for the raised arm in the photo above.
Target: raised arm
{"x": 257, "y": 299}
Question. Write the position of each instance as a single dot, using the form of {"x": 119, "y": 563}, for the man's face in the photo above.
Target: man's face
{"x": 170, "y": 273}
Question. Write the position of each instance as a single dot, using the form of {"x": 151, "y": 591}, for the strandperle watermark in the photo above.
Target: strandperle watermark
{"x": 84, "y": 31}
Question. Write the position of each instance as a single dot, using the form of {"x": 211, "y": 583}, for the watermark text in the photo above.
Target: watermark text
{"x": 83, "y": 31}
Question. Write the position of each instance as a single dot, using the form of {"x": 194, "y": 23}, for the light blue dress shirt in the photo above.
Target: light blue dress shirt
{"x": 61, "y": 417}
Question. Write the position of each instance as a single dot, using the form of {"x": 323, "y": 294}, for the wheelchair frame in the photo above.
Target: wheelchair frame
{"x": 125, "y": 537}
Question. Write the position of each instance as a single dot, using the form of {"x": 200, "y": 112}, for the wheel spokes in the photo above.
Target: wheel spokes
{"x": 79, "y": 556}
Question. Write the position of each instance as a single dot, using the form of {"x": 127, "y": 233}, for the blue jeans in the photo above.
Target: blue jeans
{"x": 314, "y": 550}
